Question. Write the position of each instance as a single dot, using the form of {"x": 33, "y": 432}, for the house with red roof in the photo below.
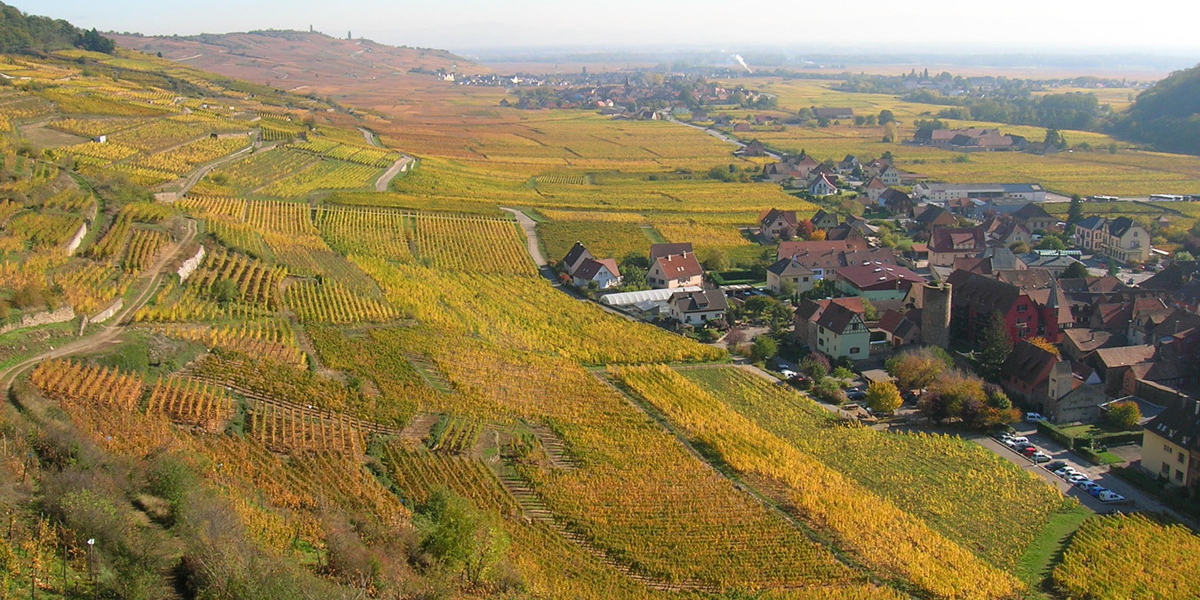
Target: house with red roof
{"x": 674, "y": 271}
{"x": 949, "y": 243}
{"x": 876, "y": 281}
{"x": 834, "y": 327}
{"x": 601, "y": 271}
{"x": 1026, "y": 312}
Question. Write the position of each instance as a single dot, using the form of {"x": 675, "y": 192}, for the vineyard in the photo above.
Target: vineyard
{"x": 331, "y": 302}
{"x": 322, "y": 175}
{"x": 874, "y": 529}
{"x": 965, "y": 492}
{"x": 1129, "y": 557}
{"x": 144, "y": 246}
{"x": 191, "y": 403}
{"x": 246, "y": 279}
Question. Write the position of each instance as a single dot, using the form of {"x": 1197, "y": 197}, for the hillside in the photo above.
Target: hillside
{"x": 301, "y": 61}
{"x": 1168, "y": 114}
{"x": 21, "y": 33}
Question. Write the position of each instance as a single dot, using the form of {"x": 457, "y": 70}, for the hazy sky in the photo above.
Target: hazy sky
{"x": 959, "y": 26}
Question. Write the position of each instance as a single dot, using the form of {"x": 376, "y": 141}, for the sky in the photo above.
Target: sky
{"x": 951, "y": 26}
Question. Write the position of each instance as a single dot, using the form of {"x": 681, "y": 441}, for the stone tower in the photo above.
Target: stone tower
{"x": 935, "y": 314}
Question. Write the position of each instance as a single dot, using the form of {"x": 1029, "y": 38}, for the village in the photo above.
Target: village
{"x": 1076, "y": 334}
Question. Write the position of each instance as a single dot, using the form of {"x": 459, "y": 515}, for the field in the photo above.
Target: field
{"x": 1129, "y": 172}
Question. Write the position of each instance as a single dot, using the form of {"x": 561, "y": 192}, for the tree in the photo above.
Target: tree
{"x": 787, "y": 289}
{"x": 886, "y": 116}
{"x": 1051, "y": 242}
{"x": 1076, "y": 270}
{"x": 804, "y": 229}
{"x": 455, "y": 535}
{"x": 764, "y": 347}
{"x": 1044, "y": 344}
{"x": 1019, "y": 248}
{"x": 1124, "y": 415}
{"x": 817, "y": 235}
{"x": 884, "y": 397}
{"x": 716, "y": 259}
{"x": 1182, "y": 255}
{"x": 869, "y": 312}
{"x": 995, "y": 347}
{"x": 1075, "y": 212}
{"x": 920, "y": 368}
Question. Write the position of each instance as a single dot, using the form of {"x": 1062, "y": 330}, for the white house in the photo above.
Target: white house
{"x": 603, "y": 272}
{"x": 821, "y": 186}
{"x": 695, "y": 308}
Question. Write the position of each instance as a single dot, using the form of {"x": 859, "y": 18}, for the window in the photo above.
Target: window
{"x": 1167, "y": 449}
{"x": 854, "y": 350}
{"x": 1179, "y": 476}
{"x": 1022, "y": 307}
{"x": 1180, "y": 458}
{"x": 821, "y": 342}
{"x": 1166, "y": 470}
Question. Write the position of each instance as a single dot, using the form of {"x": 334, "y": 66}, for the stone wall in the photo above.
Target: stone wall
{"x": 107, "y": 313}
{"x": 77, "y": 240}
{"x": 190, "y": 265}
{"x": 61, "y": 315}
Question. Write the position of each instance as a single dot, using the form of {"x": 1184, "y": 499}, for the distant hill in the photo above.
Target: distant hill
{"x": 1167, "y": 115}
{"x": 24, "y": 34}
{"x": 306, "y": 62}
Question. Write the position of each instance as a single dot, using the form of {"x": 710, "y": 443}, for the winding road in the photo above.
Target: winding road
{"x": 108, "y": 334}
{"x": 719, "y": 136}
{"x": 401, "y": 165}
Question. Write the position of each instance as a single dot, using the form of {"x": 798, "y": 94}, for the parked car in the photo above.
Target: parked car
{"x": 1096, "y": 490}
{"x": 788, "y": 373}
{"x": 1054, "y": 466}
{"x": 1066, "y": 472}
{"x": 856, "y": 395}
{"x": 1078, "y": 478}
{"x": 1039, "y": 457}
{"x": 1110, "y": 496}
{"x": 1033, "y": 417}
{"x": 1027, "y": 449}
{"x": 1017, "y": 441}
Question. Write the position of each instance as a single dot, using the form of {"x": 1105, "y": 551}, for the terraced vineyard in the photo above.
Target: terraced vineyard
{"x": 967, "y": 493}
{"x": 1097, "y": 563}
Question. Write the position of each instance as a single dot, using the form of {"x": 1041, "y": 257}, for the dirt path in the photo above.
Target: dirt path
{"x": 149, "y": 279}
{"x": 529, "y": 226}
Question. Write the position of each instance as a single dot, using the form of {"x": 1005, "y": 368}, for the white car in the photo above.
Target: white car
{"x": 1108, "y": 496}
{"x": 1016, "y": 442}
{"x": 787, "y": 373}
{"x": 1040, "y": 457}
{"x": 1078, "y": 478}
{"x": 1066, "y": 472}
{"x": 1034, "y": 417}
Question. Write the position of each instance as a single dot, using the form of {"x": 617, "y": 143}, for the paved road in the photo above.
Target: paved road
{"x": 401, "y": 165}
{"x": 195, "y": 177}
{"x": 108, "y": 334}
{"x": 720, "y": 136}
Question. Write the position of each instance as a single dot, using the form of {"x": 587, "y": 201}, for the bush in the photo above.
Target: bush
{"x": 829, "y": 391}
{"x": 843, "y": 373}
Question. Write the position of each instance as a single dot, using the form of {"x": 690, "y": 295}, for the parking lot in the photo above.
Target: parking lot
{"x": 1136, "y": 500}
